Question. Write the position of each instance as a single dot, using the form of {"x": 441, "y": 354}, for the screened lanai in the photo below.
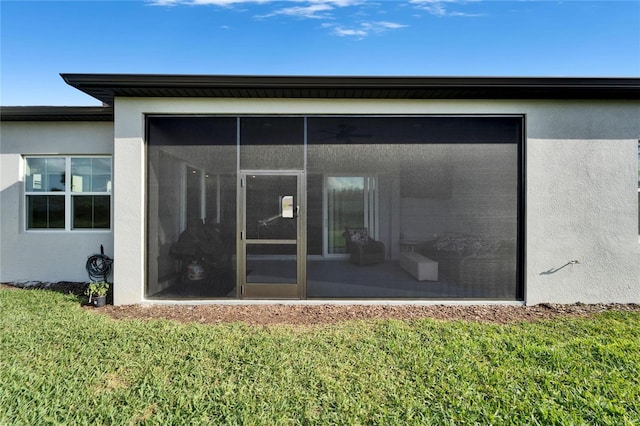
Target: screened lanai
{"x": 334, "y": 207}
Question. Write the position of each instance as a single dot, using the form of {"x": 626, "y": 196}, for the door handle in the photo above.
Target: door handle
{"x": 286, "y": 207}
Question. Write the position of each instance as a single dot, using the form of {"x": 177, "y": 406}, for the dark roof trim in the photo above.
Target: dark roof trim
{"x": 105, "y": 87}
{"x": 55, "y": 113}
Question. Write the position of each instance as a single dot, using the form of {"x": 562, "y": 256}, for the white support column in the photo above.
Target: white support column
{"x": 129, "y": 206}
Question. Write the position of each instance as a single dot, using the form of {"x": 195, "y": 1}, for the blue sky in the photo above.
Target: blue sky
{"x": 40, "y": 39}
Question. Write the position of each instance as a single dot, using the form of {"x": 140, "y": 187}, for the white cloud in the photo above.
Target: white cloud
{"x": 344, "y": 32}
{"x": 222, "y": 2}
{"x": 434, "y": 7}
{"x": 326, "y": 10}
{"x": 336, "y": 3}
{"x": 312, "y": 11}
{"x": 309, "y": 9}
{"x": 383, "y": 25}
{"x": 366, "y": 29}
{"x": 225, "y": 3}
{"x": 164, "y": 2}
{"x": 441, "y": 7}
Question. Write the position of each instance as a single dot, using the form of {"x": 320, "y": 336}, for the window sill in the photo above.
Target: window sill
{"x": 65, "y": 231}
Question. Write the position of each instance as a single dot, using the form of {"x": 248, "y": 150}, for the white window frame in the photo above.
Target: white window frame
{"x": 67, "y": 194}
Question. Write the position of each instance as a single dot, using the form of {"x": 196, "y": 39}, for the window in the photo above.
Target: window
{"x": 68, "y": 193}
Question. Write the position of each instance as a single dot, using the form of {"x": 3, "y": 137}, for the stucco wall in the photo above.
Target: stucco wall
{"x": 45, "y": 255}
{"x": 581, "y": 202}
{"x": 580, "y": 169}
{"x": 582, "y": 205}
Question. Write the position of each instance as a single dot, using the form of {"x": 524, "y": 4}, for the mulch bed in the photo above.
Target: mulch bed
{"x": 309, "y": 315}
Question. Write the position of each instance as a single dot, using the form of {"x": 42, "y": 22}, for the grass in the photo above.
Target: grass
{"x": 61, "y": 364}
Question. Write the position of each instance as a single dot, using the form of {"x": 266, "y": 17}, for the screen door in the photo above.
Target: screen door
{"x": 269, "y": 235}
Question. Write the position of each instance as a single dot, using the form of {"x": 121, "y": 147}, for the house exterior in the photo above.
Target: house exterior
{"x": 239, "y": 188}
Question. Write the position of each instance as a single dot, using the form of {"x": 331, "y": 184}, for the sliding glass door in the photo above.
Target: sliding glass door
{"x": 350, "y": 203}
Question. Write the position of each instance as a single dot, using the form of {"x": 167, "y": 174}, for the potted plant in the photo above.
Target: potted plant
{"x": 97, "y": 292}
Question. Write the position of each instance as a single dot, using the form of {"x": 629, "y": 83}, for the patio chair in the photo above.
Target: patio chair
{"x": 364, "y": 250}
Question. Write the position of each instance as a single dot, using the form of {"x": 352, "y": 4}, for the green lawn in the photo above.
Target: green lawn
{"x": 61, "y": 364}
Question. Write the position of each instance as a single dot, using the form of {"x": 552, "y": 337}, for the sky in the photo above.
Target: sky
{"x": 542, "y": 38}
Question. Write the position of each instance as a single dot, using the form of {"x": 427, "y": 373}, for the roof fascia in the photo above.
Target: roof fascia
{"x": 56, "y": 113}
{"x": 107, "y": 86}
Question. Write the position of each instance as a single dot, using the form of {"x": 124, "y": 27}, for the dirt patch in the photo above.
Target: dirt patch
{"x": 309, "y": 315}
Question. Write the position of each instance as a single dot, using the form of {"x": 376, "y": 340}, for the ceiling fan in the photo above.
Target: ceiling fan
{"x": 344, "y": 134}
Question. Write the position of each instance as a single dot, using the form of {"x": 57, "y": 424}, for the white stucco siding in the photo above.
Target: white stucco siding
{"x": 129, "y": 206}
{"x": 45, "y": 255}
{"x": 580, "y": 186}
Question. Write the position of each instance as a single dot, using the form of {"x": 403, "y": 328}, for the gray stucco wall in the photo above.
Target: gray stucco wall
{"x": 581, "y": 199}
{"x": 45, "y": 255}
{"x": 581, "y": 205}
{"x": 581, "y": 169}
{"x": 580, "y": 176}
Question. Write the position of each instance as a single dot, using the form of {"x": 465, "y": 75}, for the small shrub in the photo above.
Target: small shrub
{"x": 97, "y": 289}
